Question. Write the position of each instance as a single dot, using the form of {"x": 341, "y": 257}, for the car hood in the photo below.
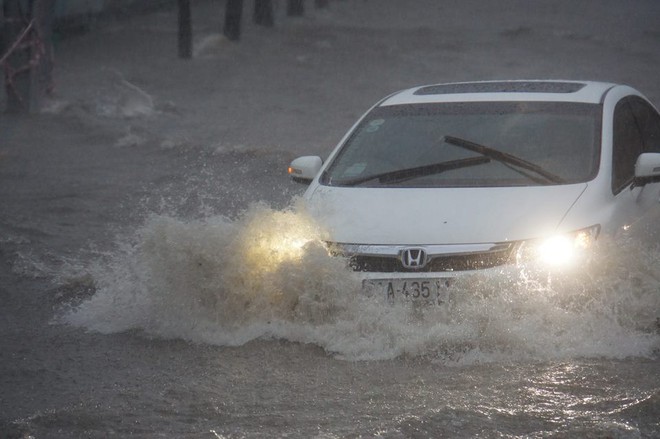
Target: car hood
{"x": 440, "y": 215}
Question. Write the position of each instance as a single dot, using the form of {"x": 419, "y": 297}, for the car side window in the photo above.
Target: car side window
{"x": 628, "y": 145}
{"x": 648, "y": 121}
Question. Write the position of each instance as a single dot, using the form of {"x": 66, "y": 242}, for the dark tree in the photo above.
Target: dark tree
{"x": 44, "y": 13}
{"x": 233, "y": 13}
{"x": 185, "y": 30}
{"x": 295, "y": 8}
{"x": 263, "y": 13}
{"x": 320, "y": 4}
{"x": 28, "y": 52}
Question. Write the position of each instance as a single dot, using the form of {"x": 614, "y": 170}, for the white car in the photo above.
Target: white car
{"x": 441, "y": 180}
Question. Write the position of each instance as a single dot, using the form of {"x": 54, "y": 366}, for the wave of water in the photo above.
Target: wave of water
{"x": 266, "y": 275}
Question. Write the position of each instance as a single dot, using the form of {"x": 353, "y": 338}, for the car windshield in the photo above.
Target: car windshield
{"x": 480, "y": 144}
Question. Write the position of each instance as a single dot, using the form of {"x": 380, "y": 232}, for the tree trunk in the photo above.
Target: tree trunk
{"x": 28, "y": 53}
{"x": 185, "y": 30}
{"x": 233, "y": 12}
{"x": 3, "y": 45}
{"x": 263, "y": 13}
{"x": 295, "y": 8}
{"x": 43, "y": 13}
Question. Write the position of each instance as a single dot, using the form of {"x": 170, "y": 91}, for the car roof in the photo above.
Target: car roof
{"x": 519, "y": 90}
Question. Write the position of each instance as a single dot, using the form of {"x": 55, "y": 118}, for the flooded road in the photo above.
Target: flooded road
{"x": 127, "y": 308}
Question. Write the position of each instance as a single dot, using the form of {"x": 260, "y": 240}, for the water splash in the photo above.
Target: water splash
{"x": 267, "y": 275}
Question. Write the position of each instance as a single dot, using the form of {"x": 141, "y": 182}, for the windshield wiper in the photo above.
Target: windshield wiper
{"x": 507, "y": 158}
{"x": 416, "y": 172}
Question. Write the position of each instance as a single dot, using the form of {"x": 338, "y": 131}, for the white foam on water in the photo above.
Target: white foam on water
{"x": 267, "y": 275}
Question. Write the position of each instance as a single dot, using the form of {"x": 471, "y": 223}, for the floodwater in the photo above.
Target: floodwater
{"x": 160, "y": 277}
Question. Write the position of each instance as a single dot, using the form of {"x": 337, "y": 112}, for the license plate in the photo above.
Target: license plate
{"x": 432, "y": 291}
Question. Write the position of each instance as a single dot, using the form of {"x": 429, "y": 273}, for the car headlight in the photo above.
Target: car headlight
{"x": 270, "y": 238}
{"x": 272, "y": 249}
{"x": 561, "y": 250}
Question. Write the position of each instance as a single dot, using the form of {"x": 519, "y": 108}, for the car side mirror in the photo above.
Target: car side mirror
{"x": 304, "y": 169}
{"x": 647, "y": 169}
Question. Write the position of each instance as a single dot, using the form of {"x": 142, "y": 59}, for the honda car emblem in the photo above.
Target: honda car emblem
{"x": 414, "y": 258}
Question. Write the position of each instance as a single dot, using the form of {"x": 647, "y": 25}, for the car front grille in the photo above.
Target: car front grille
{"x": 496, "y": 255}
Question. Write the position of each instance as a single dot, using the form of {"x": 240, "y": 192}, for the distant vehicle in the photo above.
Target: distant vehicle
{"x": 441, "y": 180}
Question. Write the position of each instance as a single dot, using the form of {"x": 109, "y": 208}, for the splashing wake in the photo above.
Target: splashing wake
{"x": 267, "y": 275}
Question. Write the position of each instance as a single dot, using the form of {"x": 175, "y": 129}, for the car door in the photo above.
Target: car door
{"x": 636, "y": 128}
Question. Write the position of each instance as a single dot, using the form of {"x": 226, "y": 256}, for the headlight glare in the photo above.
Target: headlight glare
{"x": 560, "y": 250}
{"x": 557, "y": 250}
